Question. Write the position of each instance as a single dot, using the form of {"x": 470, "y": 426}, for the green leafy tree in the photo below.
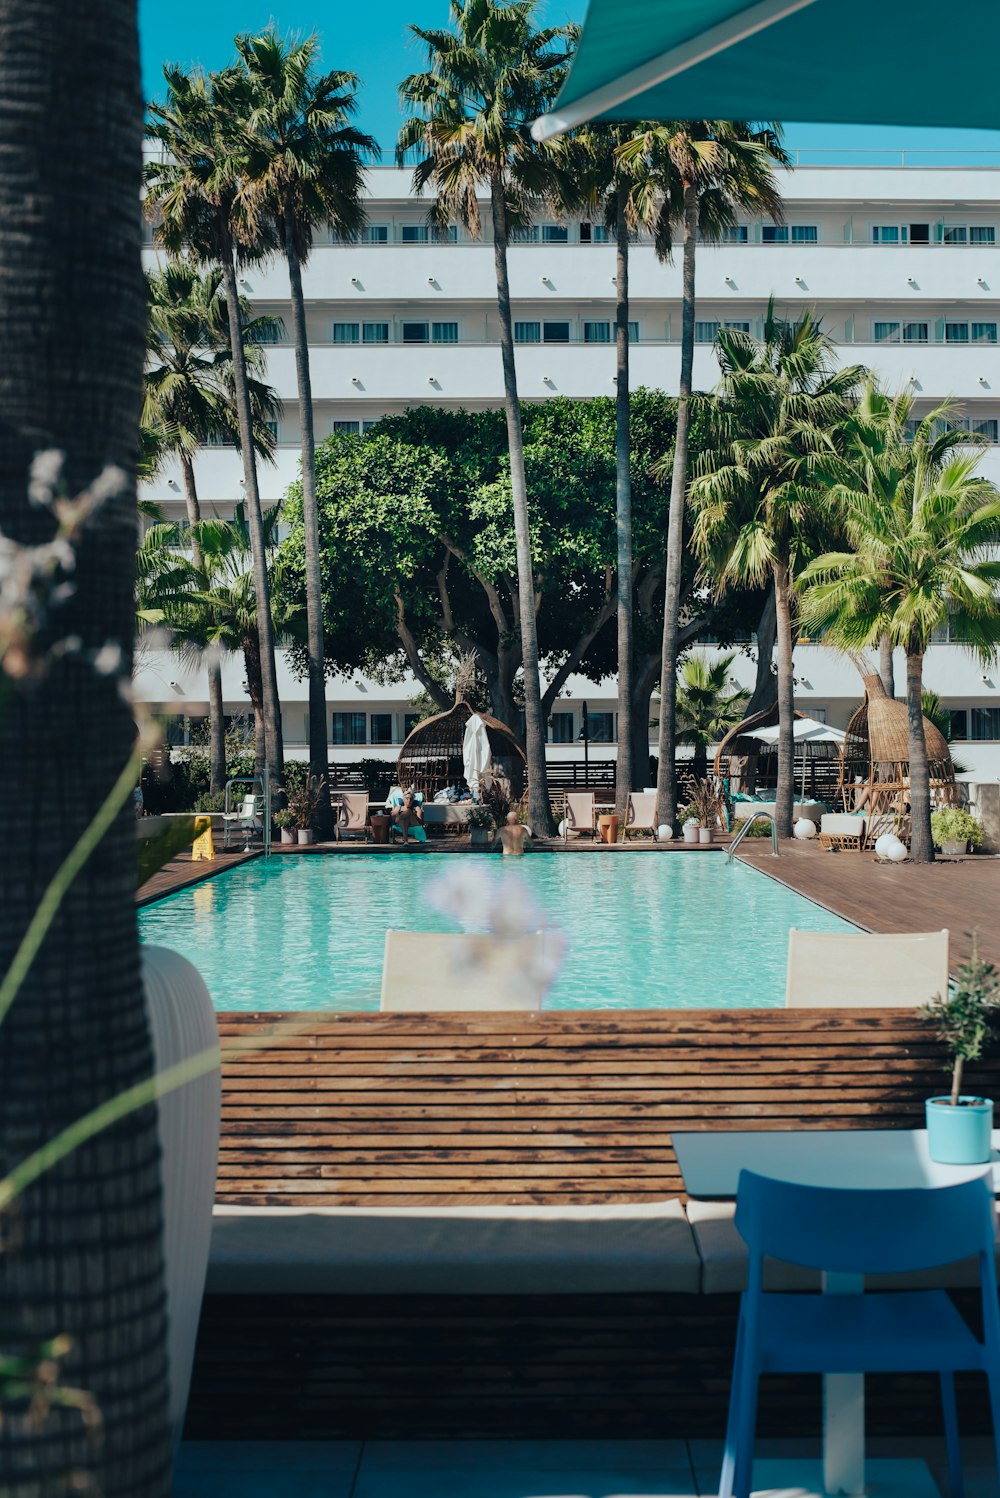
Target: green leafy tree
{"x": 703, "y": 173}
{"x": 81, "y": 1268}
{"x": 487, "y": 80}
{"x": 304, "y": 169}
{"x": 195, "y": 199}
{"x": 188, "y": 401}
{"x": 922, "y": 529}
{"x": 706, "y": 710}
{"x": 759, "y": 503}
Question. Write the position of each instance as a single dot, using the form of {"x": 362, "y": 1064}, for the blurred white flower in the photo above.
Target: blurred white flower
{"x": 504, "y": 905}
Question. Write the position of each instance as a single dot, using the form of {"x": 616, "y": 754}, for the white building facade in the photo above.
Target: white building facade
{"x": 902, "y": 265}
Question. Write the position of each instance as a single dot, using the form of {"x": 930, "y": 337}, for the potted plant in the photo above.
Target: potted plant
{"x": 303, "y": 804}
{"x": 689, "y": 823}
{"x": 954, "y": 829}
{"x": 285, "y": 822}
{"x": 705, "y": 800}
{"x": 481, "y": 826}
{"x": 959, "y": 1127}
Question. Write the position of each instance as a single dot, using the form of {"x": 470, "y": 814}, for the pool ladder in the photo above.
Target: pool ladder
{"x": 768, "y": 817}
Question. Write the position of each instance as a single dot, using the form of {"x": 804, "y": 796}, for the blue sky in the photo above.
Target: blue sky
{"x": 371, "y": 40}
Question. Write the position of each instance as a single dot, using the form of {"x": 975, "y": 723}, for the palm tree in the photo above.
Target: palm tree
{"x": 188, "y": 401}
{"x": 705, "y": 710}
{"x": 759, "y": 502}
{"x": 922, "y": 531}
{"x": 708, "y": 171}
{"x": 82, "y": 1254}
{"x": 304, "y": 169}
{"x": 487, "y": 79}
{"x": 193, "y": 195}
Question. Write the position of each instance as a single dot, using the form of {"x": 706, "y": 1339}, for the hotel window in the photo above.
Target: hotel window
{"x": 982, "y": 234}
{"x": 705, "y": 332}
{"x": 375, "y": 332}
{"x": 735, "y": 234}
{"x": 272, "y": 427}
{"x": 593, "y": 234}
{"x": 555, "y": 332}
{"x": 352, "y": 427}
{"x": 984, "y": 332}
{"x": 956, "y": 332}
{"x": 415, "y": 332}
{"x": 597, "y": 332}
{"x": 561, "y": 728}
{"x": 889, "y": 234}
{"x": 366, "y": 426}
{"x": 774, "y": 233}
{"x": 445, "y": 233}
{"x": 920, "y": 234}
{"x": 955, "y": 234}
{"x": 886, "y": 332}
{"x": 910, "y": 428}
{"x": 444, "y": 332}
{"x": 633, "y": 332}
{"x": 987, "y": 427}
{"x": 985, "y": 723}
{"x": 959, "y": 723}
{"x": 375, "y": 234}
{"x": 414, "y": 234}
{"x": 528, "y": 234}
{"x": 345, "y": 332}
{"x": 805, "y": 234}
{"x": 914, "y": 332}
{"x": 348, "y": 728}
{"x": 527, "y": 332}
{"x": 410, "y": 721}
{"x": 555, "y": 234}
{"x": 381, "y": 728}
{"x": 600, "y": 728}
{"x": 267, "y": 330}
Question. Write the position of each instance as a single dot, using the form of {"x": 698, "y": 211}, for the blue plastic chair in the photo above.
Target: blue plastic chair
{"x": 860, "y": 1232}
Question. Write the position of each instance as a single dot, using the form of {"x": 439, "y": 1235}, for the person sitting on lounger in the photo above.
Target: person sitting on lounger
{"x": 514, "y": 835}
{"x": 409, "y": 819}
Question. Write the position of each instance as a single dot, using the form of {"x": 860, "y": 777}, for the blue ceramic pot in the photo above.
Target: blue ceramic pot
{"x": 960, "y": 1136}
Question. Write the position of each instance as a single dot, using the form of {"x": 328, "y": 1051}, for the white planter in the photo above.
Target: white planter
{"x": 288, "y": 834}
{"x": 691, "y": 830}
{"x": 954, "y": 849}
{"x": 182, "y": 1025}
{"x": 305, "y": 835}
{"x": 704, "y": 834}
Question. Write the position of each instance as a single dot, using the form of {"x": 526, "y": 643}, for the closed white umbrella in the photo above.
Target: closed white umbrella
{"x": 476, "y": 755}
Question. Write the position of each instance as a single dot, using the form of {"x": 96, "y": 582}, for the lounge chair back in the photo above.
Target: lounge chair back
{"x": 641, "y": 810}
{"x": 579, "y": 812}
{"x": 353, "y": 813}
{"x": 838, "y": 970}
{"x": 425, "y": 970}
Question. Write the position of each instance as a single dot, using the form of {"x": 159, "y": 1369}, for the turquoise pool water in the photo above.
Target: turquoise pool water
{"x": 642, "y": 932}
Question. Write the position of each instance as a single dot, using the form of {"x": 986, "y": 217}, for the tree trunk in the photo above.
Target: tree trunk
{"x": 765, "y": 688}
{"x": 666, "y": 781}
{"x": 623, "y": 517}
{"x": 785, "y": 795}
{"x": 539, "y": 808}
{"x": 646, "y": 673}
{"x": 886, "y": 669}
{"x": 315, "y": 662}
{"x": 921, "y": 841}
{"x": 255, "y": 691}
{"x": 82, "y": 1252}
{"x": 216, "y": 716}
{"x": 275, "y": 753}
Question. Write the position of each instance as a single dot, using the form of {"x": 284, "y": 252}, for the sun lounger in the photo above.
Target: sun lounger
{"x": 424, "y": 971}
{"x": 878, "y": 971}
{"x": 578, "y": 814}
{"x": 352, "y": 815}
{"x": 640, "y": 813}
{"x": 840, "y": 830}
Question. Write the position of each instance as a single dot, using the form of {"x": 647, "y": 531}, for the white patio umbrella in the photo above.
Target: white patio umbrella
{"x": 804, "y": 731}
{"x": 476, "y": 755}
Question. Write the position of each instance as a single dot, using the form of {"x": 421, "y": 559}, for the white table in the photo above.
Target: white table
{"x": 860, "y": 1159}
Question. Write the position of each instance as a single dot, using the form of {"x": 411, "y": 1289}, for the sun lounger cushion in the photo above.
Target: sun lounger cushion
{"x": 453, "y": 1250}
{"x": 723, "y": 1256}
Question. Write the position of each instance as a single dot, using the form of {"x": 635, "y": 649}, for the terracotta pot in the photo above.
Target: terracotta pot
{"x": 380, "y": 829}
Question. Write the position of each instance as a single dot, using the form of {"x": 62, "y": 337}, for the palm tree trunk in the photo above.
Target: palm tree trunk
{"x": 646, "y": 673}
{"x": 886, "y": 668}
{"x": 82, "y": 1252}
{"x": 539, "y": 808}
{"x": 921, "y": 841}
{"x": 275, "y": 753}
{"x": 216, "y": 716}
{"x": 315, "y": 662}
{"x": 623, "y": 517}
{"x": 785, "y": 795}
{"x": 255, "y": 691}
{"x": 666, "y": 780}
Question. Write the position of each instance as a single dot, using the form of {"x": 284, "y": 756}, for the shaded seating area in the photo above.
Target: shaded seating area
{"x": 432, "y": 756}
{"x": 746, "y": 763}
{"x": 875, "y": 765}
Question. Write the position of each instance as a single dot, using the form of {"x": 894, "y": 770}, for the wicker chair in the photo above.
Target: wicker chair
{"x": 839, "y": 831}
{"x": 875, "y": 765}
{"x": 431, "y": 758}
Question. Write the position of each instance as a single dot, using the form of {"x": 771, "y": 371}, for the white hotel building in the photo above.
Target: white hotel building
{"x": 902, "y": 264}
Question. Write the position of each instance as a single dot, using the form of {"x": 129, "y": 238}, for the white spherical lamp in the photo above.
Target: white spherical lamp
{"x": 884, "y": 843}
{"x": 562, "y": 829}
{"x": 664, "y": 832}
{"x": 897, "y": 851}
{"x": 804, "y": 828}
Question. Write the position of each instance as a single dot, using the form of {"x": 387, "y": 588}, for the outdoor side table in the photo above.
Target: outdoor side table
{"x": 860, "y": 1159}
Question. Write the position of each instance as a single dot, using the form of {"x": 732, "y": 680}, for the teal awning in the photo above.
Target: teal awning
{"x": 876, "y": 62}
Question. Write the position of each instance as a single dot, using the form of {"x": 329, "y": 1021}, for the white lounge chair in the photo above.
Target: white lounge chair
{"x": 424, "y": 970}
{"x": 578, "y": 814}
{"x": 841, "y": 830}
{"x": 838, "y": 970}
{"x": 640, "y": 813}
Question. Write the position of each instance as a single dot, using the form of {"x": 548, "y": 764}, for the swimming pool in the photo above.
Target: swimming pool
{"x": 643, "y": 931}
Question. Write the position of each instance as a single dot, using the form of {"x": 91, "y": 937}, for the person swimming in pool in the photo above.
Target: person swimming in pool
{"x": 514, "y": 836}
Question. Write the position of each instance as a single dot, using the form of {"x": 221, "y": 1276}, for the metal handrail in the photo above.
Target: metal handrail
{"x": 768, "y": 816}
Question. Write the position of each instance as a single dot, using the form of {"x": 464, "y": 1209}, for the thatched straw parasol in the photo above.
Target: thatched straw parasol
{"x": 431, "y": 757}
{"x": 875, "y": 763}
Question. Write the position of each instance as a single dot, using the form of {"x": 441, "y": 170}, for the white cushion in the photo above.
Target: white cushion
{"x": 453, "y": 1250}
{"x": 842, "y": 824}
